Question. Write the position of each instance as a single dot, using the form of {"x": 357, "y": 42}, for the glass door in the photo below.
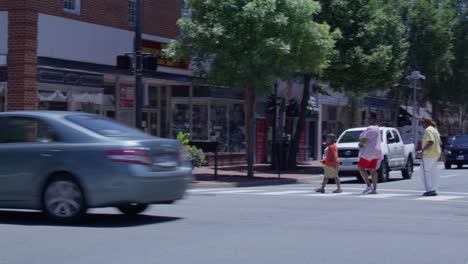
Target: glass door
{"x": 150, "y": 122}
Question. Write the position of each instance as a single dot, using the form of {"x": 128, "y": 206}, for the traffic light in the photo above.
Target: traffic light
{"x": 150, "y": 63}
{"x": 124, "y": 62}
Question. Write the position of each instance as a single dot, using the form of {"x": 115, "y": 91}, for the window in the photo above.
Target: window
{"x": 397, "y": 137}
{"x": 72, "y": 6}
{"x": 25, "y": 129}
{"x": 390, "y": 138}
{"x": 131, "y": 12}
{"x": 104, "y": 126}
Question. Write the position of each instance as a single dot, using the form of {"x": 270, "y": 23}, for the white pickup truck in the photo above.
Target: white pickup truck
{"x": 397, "y": 155}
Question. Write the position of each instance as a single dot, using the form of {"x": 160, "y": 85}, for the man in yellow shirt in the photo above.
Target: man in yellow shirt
{"x": 430, "y": 155}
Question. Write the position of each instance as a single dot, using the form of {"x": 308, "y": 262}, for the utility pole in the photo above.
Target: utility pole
{"x": 138, "y": 65}
{"x": 414, "y": 77}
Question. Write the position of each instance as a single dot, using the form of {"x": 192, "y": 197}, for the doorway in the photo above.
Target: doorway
{"x": 150, "y": 121}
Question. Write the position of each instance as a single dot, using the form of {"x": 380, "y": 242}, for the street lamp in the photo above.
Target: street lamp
{"x": 415, "y": 77}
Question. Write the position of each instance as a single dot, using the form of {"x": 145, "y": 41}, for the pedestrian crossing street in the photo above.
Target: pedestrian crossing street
{"x": 348, "y": 193}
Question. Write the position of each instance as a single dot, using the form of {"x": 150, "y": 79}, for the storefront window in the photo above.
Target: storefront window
{"x": 200, "y": 124}
{"x": 2, "y": 96}
{"x": 237, "y": 128}
{"x": 219, "y": 125}
{"x": 180, "y": 119}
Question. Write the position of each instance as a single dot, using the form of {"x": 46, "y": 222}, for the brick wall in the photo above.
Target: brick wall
{"x": 22, "y": 55}
{"x": 159, "y": 16}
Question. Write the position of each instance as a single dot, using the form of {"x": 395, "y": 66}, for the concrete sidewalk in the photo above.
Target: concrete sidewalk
{"x": 236, "y": 176}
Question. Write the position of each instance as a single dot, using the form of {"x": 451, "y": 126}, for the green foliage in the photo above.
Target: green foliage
{"x": 431, "y": 38}
{"x": 252, "y": 42}
{"x": 196, "y": 154}
{"x": 372, "y": 48}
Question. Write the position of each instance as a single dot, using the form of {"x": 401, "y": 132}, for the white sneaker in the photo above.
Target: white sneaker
{"x": 374, "y": 191}
{"x": 367, "y": 190}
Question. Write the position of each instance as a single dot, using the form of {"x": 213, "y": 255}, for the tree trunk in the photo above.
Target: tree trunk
{"x": 250, "y": 121}
{"x": 294, "y": 148}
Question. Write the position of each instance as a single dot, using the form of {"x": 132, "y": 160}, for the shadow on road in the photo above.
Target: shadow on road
{"x": 29, "y": 218}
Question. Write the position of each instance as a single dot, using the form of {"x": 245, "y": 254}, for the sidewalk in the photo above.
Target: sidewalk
{"x": 236, "y": 176}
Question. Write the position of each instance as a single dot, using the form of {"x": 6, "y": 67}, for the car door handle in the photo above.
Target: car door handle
{"x": 49, "y": 152}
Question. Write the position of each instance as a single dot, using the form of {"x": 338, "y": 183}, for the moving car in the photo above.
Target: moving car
{"x": 65, "y": 162}
{"x": 397, "y": 155}
{"x": 456, "y": 151}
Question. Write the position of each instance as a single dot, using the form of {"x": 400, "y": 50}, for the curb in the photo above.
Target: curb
{"x": 285, "y": 181}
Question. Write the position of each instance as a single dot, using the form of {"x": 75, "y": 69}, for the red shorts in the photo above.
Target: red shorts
{"x": 367, "y": 164}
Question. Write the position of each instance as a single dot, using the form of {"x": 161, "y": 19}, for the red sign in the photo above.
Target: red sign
{"x": 262, "y": 135}
{"x": 127, "y": 95}
{"x": 156, "y": 48}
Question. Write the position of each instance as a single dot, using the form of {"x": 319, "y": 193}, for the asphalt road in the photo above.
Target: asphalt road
{"x": 280, "y": 224}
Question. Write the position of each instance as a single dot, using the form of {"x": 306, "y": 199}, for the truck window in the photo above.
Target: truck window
{"x": 396, "y": 136}
{"x": 389, "y": 137}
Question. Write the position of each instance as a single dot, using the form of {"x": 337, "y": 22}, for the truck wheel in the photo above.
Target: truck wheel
{"x": 448, "y": 165}
{"x": 408, "y": 171}
{"x": 384, "y": 172}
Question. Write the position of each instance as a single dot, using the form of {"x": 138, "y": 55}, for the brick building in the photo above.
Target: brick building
{"x": 61, "y": 55}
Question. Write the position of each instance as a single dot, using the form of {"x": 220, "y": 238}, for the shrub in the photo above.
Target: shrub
{"x": 197, "y": 156}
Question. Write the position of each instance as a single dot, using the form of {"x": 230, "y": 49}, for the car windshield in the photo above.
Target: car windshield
{"x": 104, "y": 126}
{"x": 350, "y": 137}
{"x": 353, "y": 136}
{"x": 460, "y": 141}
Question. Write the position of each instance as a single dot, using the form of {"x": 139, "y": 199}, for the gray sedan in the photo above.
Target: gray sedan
{"x": 65, "y": 162}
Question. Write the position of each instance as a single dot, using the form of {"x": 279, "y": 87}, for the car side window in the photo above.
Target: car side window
{"x": 26, "y": 129}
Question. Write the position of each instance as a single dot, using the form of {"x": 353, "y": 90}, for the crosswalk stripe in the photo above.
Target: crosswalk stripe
{"x": 329, "y": 194}
{"x": 283, "y": 192}
{"x": 439, "y": 198}
{"x": 382, "y": 195}
{"x": 235, "y": 191}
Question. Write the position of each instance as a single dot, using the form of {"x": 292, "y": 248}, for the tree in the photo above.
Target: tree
{"x": 371, "y": 52}
{"x": 457, "y": 87}
{"x": 431, "y": 46}
{"x": 241, "y": 43}
{"x": 310, "y": 55}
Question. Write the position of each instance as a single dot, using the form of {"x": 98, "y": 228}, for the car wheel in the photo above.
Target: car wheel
{"x": 384, "y": 172}
{"x": 132, "y": 209}
{"x": 408, "y": 171}
{"x": 63, "y": 200}
{"x": 460, "y": 166}
{"x": 448, "y": 165}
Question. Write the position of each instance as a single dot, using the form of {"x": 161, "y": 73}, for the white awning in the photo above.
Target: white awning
{"x": 56, "y": 96}
{"x": 88, "y": 98}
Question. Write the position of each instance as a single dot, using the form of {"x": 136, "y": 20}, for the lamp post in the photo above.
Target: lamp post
{"x": 415, "y": 77}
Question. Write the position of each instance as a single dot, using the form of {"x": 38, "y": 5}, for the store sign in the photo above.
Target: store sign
{"x": 156, "y": 48}
{"x": 70, "y": 78}
{"x": 127, "y": 95}
{"x": 291, "y": 90}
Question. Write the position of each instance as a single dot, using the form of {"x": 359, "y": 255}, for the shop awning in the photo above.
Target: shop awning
{"x": 378, "y": 103}
{"x": 420, "y": 111}
{"x": 88, "y": 98}
{"x": 56, "y": 96}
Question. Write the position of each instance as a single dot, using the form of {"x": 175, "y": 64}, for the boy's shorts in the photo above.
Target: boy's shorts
{"x": 330, "y": 172}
